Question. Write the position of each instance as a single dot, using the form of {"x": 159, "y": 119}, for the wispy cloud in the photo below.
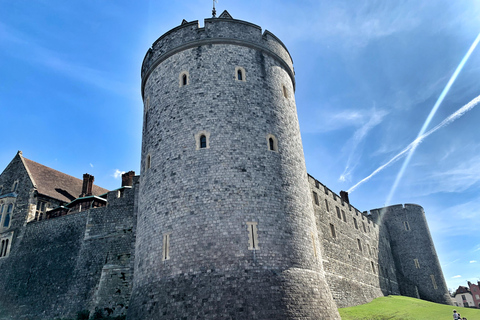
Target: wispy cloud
{"x": 454, "y": 116}
{"x": 41, "y": 55}
{"x": 457, "y": 276}
{"x": 117, "y": 174}
{"x": 91, "y": 165}
{"x": 473, "y": 261}
{"x": 359, "y": 135}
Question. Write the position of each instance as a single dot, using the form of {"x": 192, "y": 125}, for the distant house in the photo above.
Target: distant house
{"x": 464, "y": 298}
{"x": 475, "y": 290}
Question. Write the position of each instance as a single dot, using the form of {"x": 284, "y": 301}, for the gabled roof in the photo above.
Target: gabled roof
{"x": 56, "y": 184}
{"x": 225, "y": 15}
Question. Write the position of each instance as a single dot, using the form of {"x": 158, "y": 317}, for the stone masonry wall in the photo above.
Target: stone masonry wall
{"x": 81, "y": 261}
{"x": 418, "y": 268}
{"x": 355, "y": 276}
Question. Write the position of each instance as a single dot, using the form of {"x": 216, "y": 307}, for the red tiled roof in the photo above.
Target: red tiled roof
{"x": 56, "y": 184}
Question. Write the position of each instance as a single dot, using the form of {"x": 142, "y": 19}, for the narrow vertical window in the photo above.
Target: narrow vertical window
{"x": 434, "y": 282}
{"x": 364, "y": 228}
{"x": 166, "y": 247}
{"x": 359, "y": 243}
{"x": 355, "y": 223}
{"x": 417, "y": 264}
{"x": 369, "y": 251}
{"x": 15, "y": 186}
{"x": 1, "y": 249}
{"x": 252, "y": 236}
{"x": 314, "y": 245}
{"x": 373, "y": 266}
{"x": 285, "y": 92}
{"x": 344, "y": 216}
{"x": 272, "y": 143}
{"x": 5, "y": 248}
{"x": 6, "y": 223}
{"x": 149, "y": 160}
{"x": 326, "y": 205}
{"x": 332, "y": 231}
{"x": 203, "y": 141}
{"x": 315, "y": 198}
{"x": 240, "y": 74}
{"x": 407, "y": 226}
{"x": 183, "y": 79}
{"x": 339, "y": 215}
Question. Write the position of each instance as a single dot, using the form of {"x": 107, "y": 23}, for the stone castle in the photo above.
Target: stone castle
{"x": 223, "y": 222}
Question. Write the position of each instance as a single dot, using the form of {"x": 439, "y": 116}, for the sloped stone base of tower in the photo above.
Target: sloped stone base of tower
{"x": 243, "y": 294}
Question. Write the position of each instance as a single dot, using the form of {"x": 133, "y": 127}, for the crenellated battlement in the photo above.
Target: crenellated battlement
{"x": 222, "y": 30}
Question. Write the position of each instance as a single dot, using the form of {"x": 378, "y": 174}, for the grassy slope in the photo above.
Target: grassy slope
{"x": 404, "y": 308}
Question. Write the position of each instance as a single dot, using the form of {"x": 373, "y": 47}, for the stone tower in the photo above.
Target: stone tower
{"x": 418, "y": 269}
{"x": 225, "y": 220}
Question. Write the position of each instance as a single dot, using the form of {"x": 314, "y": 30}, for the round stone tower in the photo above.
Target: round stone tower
{"x": 418, "y": 269}
{"x": 226, "y": 228}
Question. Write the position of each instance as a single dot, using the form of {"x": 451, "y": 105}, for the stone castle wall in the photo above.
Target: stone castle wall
{"x": 76, "y": 262}
{"x": 357, "y": 259}
{"x": 232, "y": 230}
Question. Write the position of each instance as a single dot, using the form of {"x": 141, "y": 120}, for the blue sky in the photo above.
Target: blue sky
{"x": 368, "y": 74}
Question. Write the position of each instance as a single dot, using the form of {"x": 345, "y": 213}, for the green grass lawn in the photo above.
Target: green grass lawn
{"x": 404, "y": 308}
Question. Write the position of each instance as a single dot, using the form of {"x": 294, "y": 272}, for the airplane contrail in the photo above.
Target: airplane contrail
{"x": 454, "y": 116}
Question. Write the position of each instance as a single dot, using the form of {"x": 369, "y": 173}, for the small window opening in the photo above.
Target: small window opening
{"x": 285, "y": 92}
{"x": 203, "y": 141}
{"x": 355, "y": 223}
{"x": 183, "y": 79}
{"x": 4, "y": 247}
{"x": 149, "y": 160}
{"x": 373, "y": 266}
{"x": 315, "y": 198}
{"x": 332, "y": 231}
{"x": 240, "y": 74}
{"x": 252, "y": 236}
{"x": 326, "y": 205}
{"x": 364, "y": 228}
{"x": 417, "y": 264}
{"x": 272, "y": 143}
{"x": 407, "y": 226}
{"x": 359, "y": 244}
{"x": 166, "y": 247}
{"x": 15, "y": 186}
{"x": 434, "y": 282}
{"x": 339, "y": 215}
{"x": 344, "y": 216}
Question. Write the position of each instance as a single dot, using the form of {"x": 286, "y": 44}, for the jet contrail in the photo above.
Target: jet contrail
{"x": 454, "y": 116}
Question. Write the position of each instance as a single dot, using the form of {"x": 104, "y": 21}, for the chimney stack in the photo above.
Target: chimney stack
{"x": 87, "y": 185}
{"x": 344, "y": 196}
{"x": 127, "y": 178}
